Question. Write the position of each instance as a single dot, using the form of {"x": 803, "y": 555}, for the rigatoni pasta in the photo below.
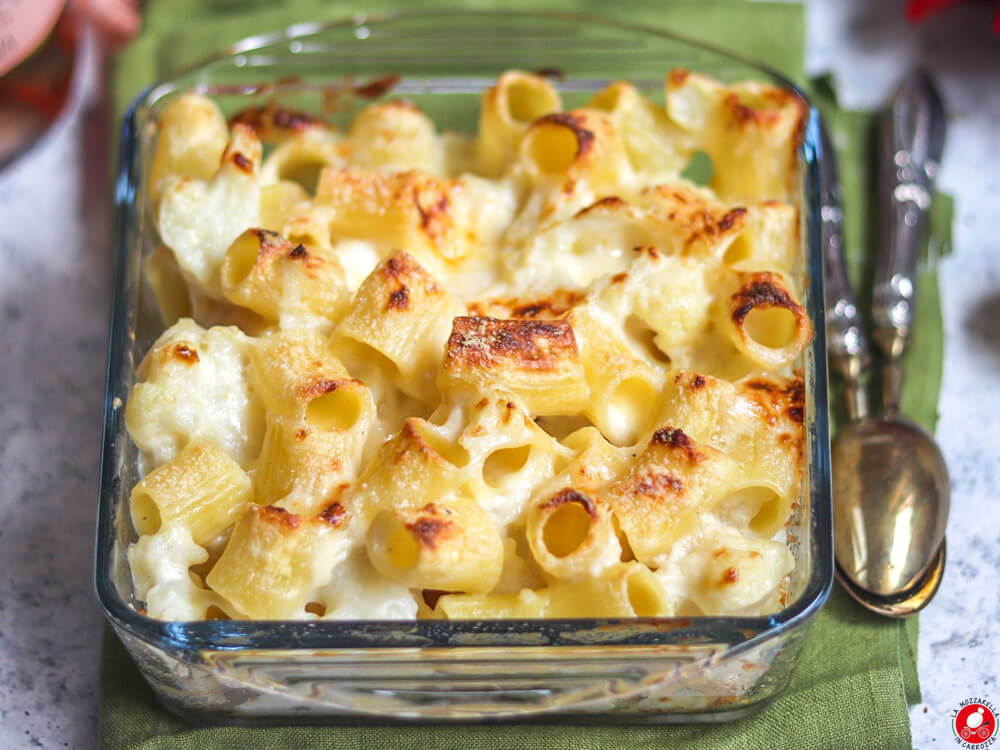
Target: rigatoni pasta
{"x": 531, "y": 371}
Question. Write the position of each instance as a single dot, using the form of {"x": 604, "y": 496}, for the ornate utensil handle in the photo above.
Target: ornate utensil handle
{"x": 910, "y": 142}
{"x": 846, "y": 339}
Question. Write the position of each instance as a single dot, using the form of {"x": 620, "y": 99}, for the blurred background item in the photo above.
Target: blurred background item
{"x": 40, "y": 47}
{"x": 919, "y": 10}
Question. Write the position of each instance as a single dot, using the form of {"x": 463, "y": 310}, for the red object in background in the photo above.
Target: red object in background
{"x": 918, "y": 10}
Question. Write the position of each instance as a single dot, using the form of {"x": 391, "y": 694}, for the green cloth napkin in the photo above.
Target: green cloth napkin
{"x": 857, "y": 673}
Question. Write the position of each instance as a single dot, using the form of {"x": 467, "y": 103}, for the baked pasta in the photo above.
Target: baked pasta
{"x": 530, "y": 372}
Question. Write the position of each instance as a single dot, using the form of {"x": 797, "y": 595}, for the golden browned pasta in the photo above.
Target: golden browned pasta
{"x": 538, "y": 361}
{"x": 508, "y": 108}
{"x": 531, "y": 371}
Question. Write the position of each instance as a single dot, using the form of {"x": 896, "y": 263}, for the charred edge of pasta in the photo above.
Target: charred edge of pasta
{"x": 649, "y": 250}
{"x": 399, "y": 299}
{"x": 184, "y": 353}
{"x": 376, "y": 87}
{"x": 690, "y": 380}
{"x": 678, "y": 76}
{"x": 658, "y": 483}
{"x": 676, "y": 439}
{"x": 410, "y": 438}
{"x": 764, "y": 290}
{"x": 570, "y": 495}
{"x": 482, "y": 342}
{"x": 731, "y": 218}
{"x": 746, "y": 115}
{"x": 402, "y": 266}
{"x": 321, "y": 386}
{"x": 279, "y": 516}
{"x": 334, "y": 514}
{"x": 242, "y": 163}
{"x": 432, "y": 215}
{"x": 298, "y": 252}
{"x": 790, "y": 396}
{"x": 604, "y": 204}
{"x": 262, "y": 118}
{"x": 584, "y": 138}
{"x": 554, "y": 73}
{"x": 431, "y": 531}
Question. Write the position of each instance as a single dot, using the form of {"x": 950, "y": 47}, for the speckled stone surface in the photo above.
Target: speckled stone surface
{"x": 54, "y": 287}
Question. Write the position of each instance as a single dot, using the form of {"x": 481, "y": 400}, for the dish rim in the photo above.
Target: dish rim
{"x": 735, "y": 632}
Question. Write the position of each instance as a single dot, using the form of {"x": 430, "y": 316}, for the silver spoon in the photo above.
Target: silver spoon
{"x": 890, "y": 483}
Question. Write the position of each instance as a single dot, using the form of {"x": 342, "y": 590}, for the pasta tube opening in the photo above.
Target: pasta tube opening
{"x": 145, "y": 514}
{"x": 765, "y": 321}
{"x": 340, "y": 409}
{"x": 401, "y": 549}
{"x": 241, "y": 258}
{"x": 553, "y": 146}
{"x": 451, "y": 452}
{"x": 571, "y": 536}
{"x": 629, "y": 405}
{"x": 772, "y": 327}
{"x": 526, "y": 98}
{"x": 645, "y": 595}
{"x": 759, "y": 507}
{"x": 566, "y": 529}
{"x": 501, "y": 464}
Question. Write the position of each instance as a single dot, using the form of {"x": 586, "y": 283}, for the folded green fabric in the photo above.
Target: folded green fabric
{"x": 857, "y": 672}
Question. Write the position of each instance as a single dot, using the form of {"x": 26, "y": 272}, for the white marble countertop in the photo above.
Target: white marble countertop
{"x": 54, "y": 288}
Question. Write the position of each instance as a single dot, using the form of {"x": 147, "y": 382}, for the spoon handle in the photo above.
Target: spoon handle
{"x": 846, "y": 340}
{"x": 910, "y": 142}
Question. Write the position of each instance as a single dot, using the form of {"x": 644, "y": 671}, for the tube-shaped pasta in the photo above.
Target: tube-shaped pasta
{"x": 274, "y": 277}
{"x": 657, "y": 148}
{"x": 275, "y": 559}
{"x": 397, "y": 136}
{"x": 191, "y": 137}
{"x": 202, "y": 488}
{"x": 302, "y": 157}
{"x": 731, "y": 572}
{"x": 527, "y": 604}
{"x": 298, "y": 375}
{"x": 508, "y": 108}
{"x": 671, "y": 484}
{"x": 399, "y": 322}
{"x": 306, "y": 462}
{"x": 750, "y": 130}
{"x": 419, "y": 463}
{"x": 761, "y": 316}
{"x": 536, "y": 360}
{"x": 757, "y": 422}
{"x": 436, "y": 220}
{"x": 622, "y": 387}
{"x": 199, "y": 219}
{"x": 571, "y": 535}
{"x": 277, "y": 124}
{"x": 448, "y": 545}
{"x": 579, "y": 145}
{"x": 623, "y": 590}
{"x": 281, "y": 203}
{"x": 169, "y": 285}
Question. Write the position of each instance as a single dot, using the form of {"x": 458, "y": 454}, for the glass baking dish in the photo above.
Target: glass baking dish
{"x": 703, "y": 669}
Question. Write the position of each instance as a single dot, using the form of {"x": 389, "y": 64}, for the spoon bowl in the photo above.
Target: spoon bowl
{"x": 904, "y": 604}
{"x": 891, "y": 492}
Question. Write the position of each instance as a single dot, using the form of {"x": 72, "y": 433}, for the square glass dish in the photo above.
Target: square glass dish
{"x": 678, "y": 669}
